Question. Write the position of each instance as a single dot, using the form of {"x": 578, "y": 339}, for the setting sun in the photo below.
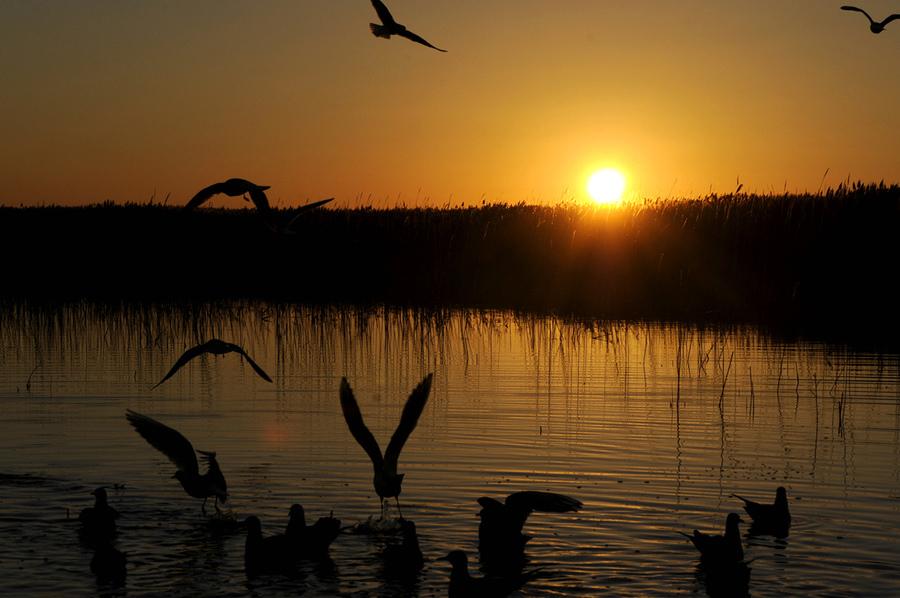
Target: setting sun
{"x": 606, "y": 186}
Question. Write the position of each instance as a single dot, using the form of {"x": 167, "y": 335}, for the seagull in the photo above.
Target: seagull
{"x": 311, "y": 541}
{"x": 874, "y": 26}
{"x": 180, "y": 452}
{"x": 463, "y": 585}
{"x": 774, "y": 518}
{"x": 500, "y": 530}
{"x": 99, "y": 521}
{"x": 725, "y": 549}
{"x": 233, "y": 188}
{"x": 404, "y": 560}
{"x": 387, "y": 481}
{"x": 301, "y": 211}
{"x": 391, "y": 27}
{"x": 216, "y": 347}
{"x": 108, "y": 564}
{"x": 265, "y": 554}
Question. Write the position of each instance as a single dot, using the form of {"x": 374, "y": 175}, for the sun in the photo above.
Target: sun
{"x": 606, "y": 186}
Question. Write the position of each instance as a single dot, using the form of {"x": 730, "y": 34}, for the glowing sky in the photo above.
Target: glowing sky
{"x": 118, "y": 99}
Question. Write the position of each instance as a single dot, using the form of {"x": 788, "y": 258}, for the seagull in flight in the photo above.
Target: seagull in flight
{"x": 391, "y": 27}
{"x": 233, "y": 188}
{"x": 181, "y": 453}
{"x": 216, "y": 347}
{"x": 387, "y": 481}
{"x": 874, "y": 26}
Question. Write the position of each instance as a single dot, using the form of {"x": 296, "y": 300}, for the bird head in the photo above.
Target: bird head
{"x": 100, "y": 494}
{"x": 781, "y": 495}
{"x": 254, "y": 525}
{"x": 732, "y": 521}
{"x": 457, "y": 558}
{"x": 298, "y": 515}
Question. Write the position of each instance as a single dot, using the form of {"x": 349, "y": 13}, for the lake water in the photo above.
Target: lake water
{"x": 652, "y": 427}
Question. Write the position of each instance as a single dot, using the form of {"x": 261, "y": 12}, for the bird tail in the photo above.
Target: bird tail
{"x": 379, "y": 31}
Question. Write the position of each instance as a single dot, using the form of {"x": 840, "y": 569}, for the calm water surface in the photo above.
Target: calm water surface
{"x": 652, "y": 427}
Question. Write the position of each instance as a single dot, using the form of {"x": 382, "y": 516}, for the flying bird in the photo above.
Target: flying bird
{"x": 774, "y": 518}
{"x": 463, "y": 585}
{"x": 233, "y": 188}
{"x": 311, "y": 541}
{"x": 181, "y": 453}
{"x": 500, "y": 530}
{"x": 874, "y": 26}
{"x": 99, "y": 521}
{"x": 387, "y": 481}
{"x": 301, "y": 212}
{"x": 718, "y": 549}
{"x": 216, "y": 347}
{"x": 391, "y": 27}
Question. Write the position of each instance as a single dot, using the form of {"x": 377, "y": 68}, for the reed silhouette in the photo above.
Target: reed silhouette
{"x": 99, "y": 521}
{"x": 387, "y": 481}
{"x": 770, "y": 519}
{"x": 874, "y": 26}
{"x": 310, "y": 541}
{"x": 464, "y": 585}
{"x": 391, "y": 27}
{"x": 181, "y": 453}
{"x": 717, "y": 550}
{"x": 216, "y": 347}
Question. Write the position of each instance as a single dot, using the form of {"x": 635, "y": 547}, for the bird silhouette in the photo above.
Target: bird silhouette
{"x": 233, "y": 188}
{"x": 500, "y": 530}
{"x": 108, "y": 564}
{"x": 99, "y": 521}
{"x": 403, "y": 560}
{"x": 772, "y": 519}
{"x": 311, "y": 541}
{"x": 301, "y": 212}
{"x": 387, "y": 481}
{"x": 718, "y": 549}
{"x": 463, "y": 585}
{"x": 181, "y": 453}
{"x": 216, "y": 347}
{"x": 391, "y": 27}
{"x": 874, "y": 26}
{"x": 264, "y": 555}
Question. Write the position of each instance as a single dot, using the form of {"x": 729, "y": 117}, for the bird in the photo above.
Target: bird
{"x": 463, "y": 585}
{"x": 301, "y": 212}
{"x": 404, "y": 560}
{"x": 263, "y": 555}
{"x": 311, "y": 541}
{"x": 233, "y": 188}
{"x": 391, "y": 27}
{"x": 500, "y": 530}
{"x": 718, "y": 549}
{"x": 874, "y": 26}
{"x": 216, "y": 347}
{"x": 99, "y": 521}
{"x": 108, "y": 564}
{"x": 181, "y": 453}
{"x": 386, "y": 480}
{"x": 774, "y": 518}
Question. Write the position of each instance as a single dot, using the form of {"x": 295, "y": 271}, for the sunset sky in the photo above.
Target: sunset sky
{"x": 112, "y": 99}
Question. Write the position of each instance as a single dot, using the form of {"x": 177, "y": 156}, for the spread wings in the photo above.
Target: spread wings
{"x": 420, "y": 40}
{"x": 383, "y": 13}
{"x": 204, "y": 194}
{"x": 166, "y": 440}
{"x": 411, "y": 412}
{"x": 358, "y": 428}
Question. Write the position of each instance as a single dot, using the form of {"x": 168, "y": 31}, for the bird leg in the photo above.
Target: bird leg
{"x": 399, "y": 512}
{"x": 203, "y": 506}
{"x": 216, "y": 504}
{"x": 382, "y": 507}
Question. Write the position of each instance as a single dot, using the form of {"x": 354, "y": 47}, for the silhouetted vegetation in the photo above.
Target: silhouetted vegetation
{"x": 825, "y": 258}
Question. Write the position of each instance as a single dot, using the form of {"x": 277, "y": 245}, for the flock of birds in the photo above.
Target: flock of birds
{"x": 501, "y": 540}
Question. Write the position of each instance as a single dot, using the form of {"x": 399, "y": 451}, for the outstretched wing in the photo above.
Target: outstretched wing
{"x": 853, "y": 8}
{"x": 408, "y": 420}
{"x": 383, "y": 13}
{"x": 358, "y": 428}
{"x": 256, "y": 368}
{"x": 301, "y": 211}
{"x": 185, "y": 357}
{"x": 166, "y": 440}
{"x": 419, "y": 40}
{"x": 203, "y": 195}
{"x": 546, "y": 502}
{"x": 889, "y": 19}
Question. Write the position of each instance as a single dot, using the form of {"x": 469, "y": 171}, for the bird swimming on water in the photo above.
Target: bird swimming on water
{"x": 386, "y": 480}
{"x": 774, "y": 519}
{"x": 404, "y": 560}
{"x": 263, "y": 555}
{"x": 726, "y": 549}
{"x": 108, "y": 564}
{"x": 310, "y": 541}
{"x": 463, "y": 585}
{"x": 99, "y": 521}
{"x": 500, "y": 530}
{"x": 874, "y": 26}
{"x": 216, "y": 347}
{"x": 391, "y": 27}
{"x": 181, "y": 453}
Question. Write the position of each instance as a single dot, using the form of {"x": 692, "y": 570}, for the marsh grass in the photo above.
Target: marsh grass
{"x": 826, "y": 259}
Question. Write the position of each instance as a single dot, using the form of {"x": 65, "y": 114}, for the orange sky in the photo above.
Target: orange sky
{"x": 115, "y": 100}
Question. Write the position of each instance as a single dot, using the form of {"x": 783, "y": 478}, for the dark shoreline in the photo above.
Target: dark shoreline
{"x": 801, "y": 264}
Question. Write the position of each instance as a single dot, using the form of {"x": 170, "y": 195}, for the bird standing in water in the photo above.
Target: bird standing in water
{"x": 216, "y": 347}
{"x": 391, "y": 27}
{"x": 772, "y": 519}
{"x": 387, "y": 481}
{"x": 180, "y": 452}
{"x": 874, "y": 26}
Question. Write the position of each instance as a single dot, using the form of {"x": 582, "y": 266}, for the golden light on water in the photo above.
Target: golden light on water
{"x": 607, "y": 186}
